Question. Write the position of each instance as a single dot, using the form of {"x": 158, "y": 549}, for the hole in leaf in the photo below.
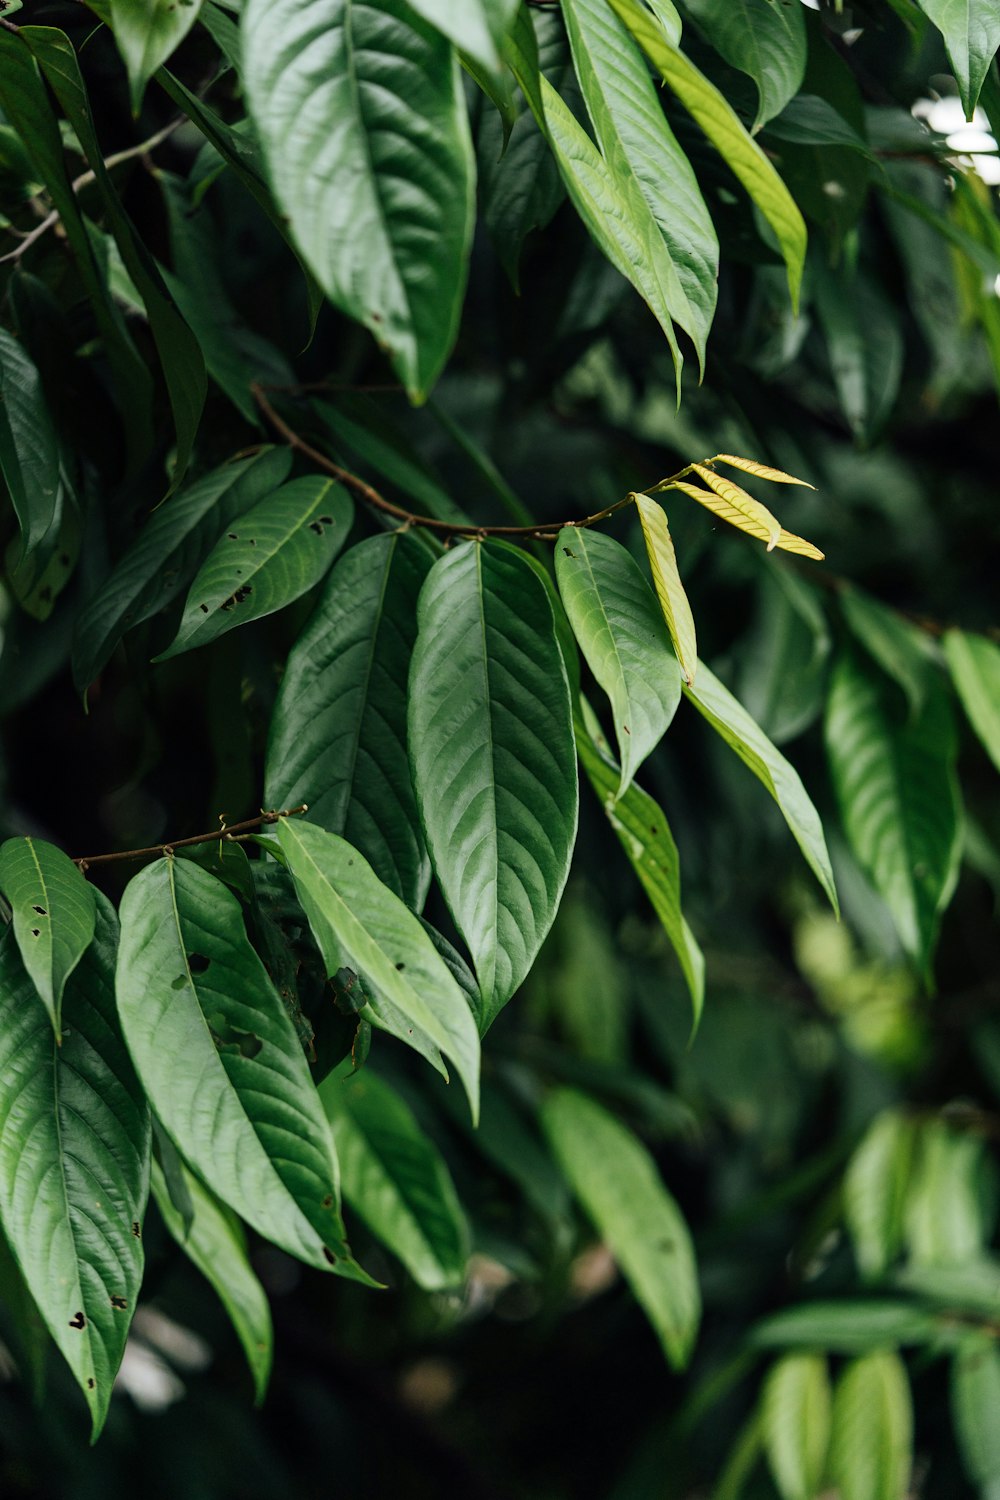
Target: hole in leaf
{"x": 119, "y": 1303}
{"x": 36, "y": 932}
{"x": 253, "y": 541}
{"x": 90, "y": 1383}
{"x": 136, "y": 1230}
{"x": 400, "y": 966}
{"x": 315, "y": 526}
{"x": 78, "y": 1321}
{"x": 327, "y": 520}
{"x": 203, "y": 608}
{"x": 233, "y": 537}
{"x": 328, "y": 1201}
{"x": 197, "y": 963}
{"x": 330, "y": 1256}
{"x": 40, "y": 911}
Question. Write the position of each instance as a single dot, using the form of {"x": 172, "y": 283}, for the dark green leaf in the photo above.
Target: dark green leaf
{"x": 29, "y": 449}
{"x": 761, "y": 38}
{"x": 810, "y": 120}
{"x": 54, "y": 914}
{"x": 899, "y": 648}
{"x": 865, "y": 347}
{"x": 783, "y": 663}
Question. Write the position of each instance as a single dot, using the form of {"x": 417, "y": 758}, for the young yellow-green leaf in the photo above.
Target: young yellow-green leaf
{"x": 476, "y": 27}
{"x": 221, "y": 1063}
{"x": 338, "y": 730}
{"x": 29, "y": 449}
{"x": 709, "y": 108}
{"x": 974, "y": 663}
{"x": 764, "y": 40}
{"x": 975, "y": 1401}
{"x": 362, "y": 117}
{"x": 669, "y": 589}
{"x": 971, "y": 31}
{"x": 272, "y": 554}
{"x": 645, "y": 836}
{"x": 54, "y": 914}
{"x": 730, "y": 719}
{"x": 358, "y": 921}
{"x": 74, "y": 1160}
{"x": 738, "y": 498}
{"x": 147, "y": 32}
{"x": 213, "y": 1240}
{"x": 796, "y": 1424}
{"x": 770, "y": 531}
{"x": 762, "y": 471}
{"x": 621, "y": 632}
{"x": 616, "y": 1182}
{"x": 491, "y": 749}
{"x": 875, "y": 1191}
{"x": 950, "y": 1202}
{"x": 395, "y": 1179}
{"x": 871, "y": 1440}
{"x": 898, "y": 796}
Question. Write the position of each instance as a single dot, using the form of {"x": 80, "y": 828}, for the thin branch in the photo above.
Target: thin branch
{"x": 230, "y": 832}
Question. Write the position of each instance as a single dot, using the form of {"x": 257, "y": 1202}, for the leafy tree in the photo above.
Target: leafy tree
{"x": 374, "y": 380}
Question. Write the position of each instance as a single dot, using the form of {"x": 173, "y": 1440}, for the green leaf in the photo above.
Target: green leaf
{"x": 338, "y": 730}
{"x": 782, "y": 673}
{"x": 707, "y": 106}
{"x": 645, "y": 836}
{"x": 616, "y": 1181}
{"x": 54, "y": 914}
{"x": 284, "y": 545}
{"x": 730, "y": 719}
{"x": 875, "y": 1191}
{"x": 363, "y": 121}
{"x": 765, "y": 40}
{"x": 971, "y": 31}
{"x": 975, "y": 1401}
{"x": 364, "y": 428}
{"x": 871, "y": 1442}
{"x": 623, "y": 637}
{"x": 491, "y": 750}
{"x": 667, "y": 579}
{"x": 477, "y": 27}
{"x": 951, "y": 1202}
{"x": 974, "y": 663}
{"x": 899, "y": 800}
{"x": 356, "y": 920}
{"x": 147, "y": 32}
{"x": 796, "y": 1414}
{"x": 74, "y": 1154}
{"x": 221, "y": 1063}
{"x": 212, "y": 1239}
{"x": 898, "y": 647}
{"x": 29, "y": 449}
{"x": 810, "y": 120}
{"x": 395, "y": 1179}
{"x": 636, "y": 141}
{"x": 865, "y": 346}
{"x": 846, "y": 1327}
{"x": 166, "y": 553}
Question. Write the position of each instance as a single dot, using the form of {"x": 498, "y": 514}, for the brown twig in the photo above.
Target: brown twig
{"x": 231, "y": 832}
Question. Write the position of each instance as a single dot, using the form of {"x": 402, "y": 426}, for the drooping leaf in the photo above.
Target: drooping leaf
{"x": 875, "y": 1191}
{"x": 761, "y": 471}
{"x": 213, "y": 1240}
{"x": 667, "y": 579}
{"x": 395, "y": 1179}
{"x": 491, "y": 749}
{"x": 950, "y": 1205}
{"x": 74, "y": 1161}
{"x": 783, "y": 666}
{"x": 810, "y": 120}
{"x": 974, "y": 662}
{"x": 338, "y": 730}
{"x": 220, "y": 1061}
{"x": 971, "y": 31}
{"x": 357, "y": 921}
{"x": 29, "y": 449}
{"x": 750, "y": 509}
{"x": 897, "y": 646}
{"x": 898, "y": 797}
{"x": 636, "y": 140}
{"x": 871, "y": 1440}
{"x": 166, "y": 553}
{"x": 622, "y": 635}
{"x": 796, "y": 1412}
{"x": 730, "y": 719}
{"x": 477, "y": 27}
{"x": 865, "y": 346}
{"x": 765, "y": 40}
{"x": 975, "y": 1400}
{"x": 768, "y": 531}
{"x": 54, "y": 914}
{"x": 363, "y": 122}
{"x": 614, "y": 1178}
{"x": 717, "y": 119}
{"x": 147, "y": 32}
{"x": 284, "y": 545}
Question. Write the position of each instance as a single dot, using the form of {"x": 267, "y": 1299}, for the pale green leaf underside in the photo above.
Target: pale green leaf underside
{"x": 476, "y": 27}
{"x": 54, "y": 913}
{"x": 667, "y": 581}
{"x": 147, "y": 32}
{"x": 974, "y": 662}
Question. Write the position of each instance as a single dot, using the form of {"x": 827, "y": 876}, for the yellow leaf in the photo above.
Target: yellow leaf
{"x": 762, "y": 471}
{"x": 738, "y": 498}
{"x": 669, "y": 589}
{"x": 787, "y": 540}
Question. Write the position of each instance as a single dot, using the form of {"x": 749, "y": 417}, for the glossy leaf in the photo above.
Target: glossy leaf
{"x": 54, "y": 913}
{"x": 614, "y": 1178}
{"x": 717, "y": 119}
{"x": 477, "y": 27}
{"x": 898, "y": 798}
{"x": 357, "y": 921}
{"x": 875, "y": 1191}
{"x": 338, "y": 730}
{"x": 796, "y": 1413}
{"x": 163, "y": 558}
{"x": 147, "y": 32}
{"x": 212, "y": 1239}
{"x": 765, "y": 40}
{"x": 491, "y": 749}
{"x": 975, "y": 1400}
{"x": 220, "y": 1061}
{"x": 871, "y": 1442}
{"x": 283, "y": 546}
{"x": 974, "y": 663}
{"x": 730, "y": 719}
{"x": 771, "y": 533}
{"x": 363, "y": 122}
{"x": 667, "y": 580}
{"x": 395, "y": 1179}
{"x": 636, "y": 140}
{"x": 971, "y": 31}
{"x": 622, "y": 635}
{"x": 645, "y": 836}
{"x": 74, "y": 1161}
{"x": 760, "y": 471}
{"x": 737, "y": 498}
{"x": 29, "y": 449}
